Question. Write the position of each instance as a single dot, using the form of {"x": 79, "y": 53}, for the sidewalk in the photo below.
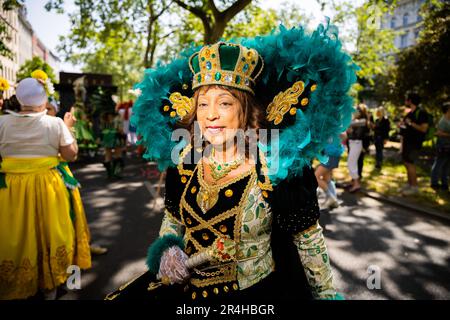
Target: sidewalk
{"x": 384, "y": 185}
{"x": 399, "y": 201}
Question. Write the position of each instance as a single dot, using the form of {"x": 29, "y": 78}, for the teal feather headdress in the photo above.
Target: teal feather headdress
{"x": 312, "y": 67}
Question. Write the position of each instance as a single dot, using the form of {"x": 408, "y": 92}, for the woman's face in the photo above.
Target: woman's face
{"x": 218, "y": 114}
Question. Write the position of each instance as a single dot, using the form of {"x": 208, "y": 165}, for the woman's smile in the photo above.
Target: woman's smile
{"x": 215, "y": 129}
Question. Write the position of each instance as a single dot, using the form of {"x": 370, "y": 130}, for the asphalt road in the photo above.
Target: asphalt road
{"x": 377, "y": 250}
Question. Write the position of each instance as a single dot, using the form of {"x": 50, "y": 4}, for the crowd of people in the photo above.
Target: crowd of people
{"x": 414, "y": 129}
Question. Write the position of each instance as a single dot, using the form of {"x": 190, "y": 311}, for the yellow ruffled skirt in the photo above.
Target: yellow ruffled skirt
{"x": 39, "y": 239}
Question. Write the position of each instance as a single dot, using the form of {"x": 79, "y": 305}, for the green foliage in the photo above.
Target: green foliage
{"x": 250, "y": 22}
{"x": 254, "y": 21}
{"x": 215, "y": 17}
{"x": 29, "y": 66}
{"x": 428, "y": 58}
{"x": 117, "y": 37}
{"x": 373, "y": 47}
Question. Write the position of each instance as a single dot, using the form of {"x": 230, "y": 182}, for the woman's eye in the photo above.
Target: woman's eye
{"x": 226, "y": 104}
{"x": 202, "y": 105}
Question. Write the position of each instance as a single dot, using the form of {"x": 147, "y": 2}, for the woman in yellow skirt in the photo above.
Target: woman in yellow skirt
{"x": 42, "y": 230}
{"x": 81, "y": 226}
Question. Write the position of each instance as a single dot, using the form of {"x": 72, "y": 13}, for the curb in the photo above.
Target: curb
{"x": 404, "y": 204}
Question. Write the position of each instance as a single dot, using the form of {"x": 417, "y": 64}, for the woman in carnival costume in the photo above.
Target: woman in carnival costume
{"x": 43, "y": 228}
{"x": 241, "y": 223}
{"x": 114, "y": 142}
{"x": 83, "y": 129}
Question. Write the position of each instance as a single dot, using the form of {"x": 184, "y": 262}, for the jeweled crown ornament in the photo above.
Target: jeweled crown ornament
{"x": 227, "y": 64}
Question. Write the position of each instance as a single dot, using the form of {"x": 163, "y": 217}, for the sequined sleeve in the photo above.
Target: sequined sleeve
{"x": 315, "y": 260}
{"x": 170, "y": 225}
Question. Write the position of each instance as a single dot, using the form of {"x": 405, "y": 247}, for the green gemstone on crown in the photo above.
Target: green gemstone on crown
{"x": 203, "y": 58}
{"x": 238, "y": 79}
{"x": 218, "y": 76}
{"x": 199, "y": 78}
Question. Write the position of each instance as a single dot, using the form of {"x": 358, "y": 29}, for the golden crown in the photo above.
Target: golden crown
{"x": 227, "y": 64}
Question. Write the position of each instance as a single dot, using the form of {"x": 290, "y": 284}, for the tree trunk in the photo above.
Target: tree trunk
{"x": 148, "y": 46}
{"x": 214, "y": 26}
{"x": 153, "y": 47}
{"x": 217, "y": 32}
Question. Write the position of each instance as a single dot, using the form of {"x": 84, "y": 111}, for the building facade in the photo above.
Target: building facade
{"x": 10, "y": 20}
{"x": 406, "y": 20}
{"x": 25, "y": 39}
{"x": 24, "y": 45}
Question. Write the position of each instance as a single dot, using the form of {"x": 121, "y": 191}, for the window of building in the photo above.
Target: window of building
{"x": 405, "y": 19}
{"x": 393, "y": 23}
{"x": 404, "y": 40}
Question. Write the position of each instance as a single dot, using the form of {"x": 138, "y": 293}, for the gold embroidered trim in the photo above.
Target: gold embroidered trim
{"x": 203, "y": 224}
{"x": 171, "y": 217}
{"x": 283, "y": 102}
{"x": 183, "y": 105}
{"x": 22, "y": 281}
{"x": 266, "y": 185}
{"x": 183, "y": 154}
{"x": 222, "y": 185}
{"x": 229, "y": 274}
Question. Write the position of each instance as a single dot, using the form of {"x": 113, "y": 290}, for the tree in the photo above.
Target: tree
{"x": 250, "y": 22}
{"x": 7, "y": 5}
{"x": 113, "y": 36}
{"x": 373, "y": 47}
{"x": 254, "y": 21}
{"x": 29, "y": 66}
{"x": 421, "y": 68}
{"x": 213, "y": 19}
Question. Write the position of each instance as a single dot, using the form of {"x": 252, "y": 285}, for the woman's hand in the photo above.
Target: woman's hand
{"x": 173, "y": 265}
{"x": 69, "y": 119}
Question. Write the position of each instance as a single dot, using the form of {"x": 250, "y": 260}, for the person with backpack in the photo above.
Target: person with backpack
{"x": 413, "y": 129}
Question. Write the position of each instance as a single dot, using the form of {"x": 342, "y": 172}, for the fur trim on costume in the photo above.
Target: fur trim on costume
{"x": 158, "y": 247}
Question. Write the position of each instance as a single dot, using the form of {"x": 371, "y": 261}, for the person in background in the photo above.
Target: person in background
{"x": 413, "y": 129}
{"x": 52, "y": 110}
{"x": 381, "y": 129}
{"x": 356, "y": 133}
{"x": 366, "y": 141}
{"x": 441, "y": 165}
{"x": 324, "y": 173}
{"x": 113, "y": 140}
{"x": 39, "y": 240}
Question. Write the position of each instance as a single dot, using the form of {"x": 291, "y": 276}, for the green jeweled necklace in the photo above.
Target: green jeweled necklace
{"x": 221, "y": 169}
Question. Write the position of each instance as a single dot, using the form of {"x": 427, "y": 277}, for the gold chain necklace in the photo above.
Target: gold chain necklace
{"x": 220, "y": 170}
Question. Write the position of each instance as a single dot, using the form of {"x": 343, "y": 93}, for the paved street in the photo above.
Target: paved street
{"x": 409, "y": 250}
